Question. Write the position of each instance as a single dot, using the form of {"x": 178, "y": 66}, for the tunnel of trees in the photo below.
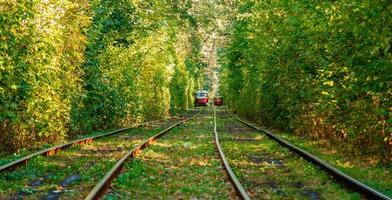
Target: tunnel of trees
{"x": 70, "y": 67}
{"x": 318, "y": 69}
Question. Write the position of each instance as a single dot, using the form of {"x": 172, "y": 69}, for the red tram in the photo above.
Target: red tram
{"x": 218, "y": 101}
{"x": 201, "y": 98}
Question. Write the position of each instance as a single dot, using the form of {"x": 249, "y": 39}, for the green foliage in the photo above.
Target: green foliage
{"x": 74, "y": 66}
{"x": 320, "y": 69}
{"x": 36, "y": 60}
{"x": 133, "y": 70}
{"x": 106, "y": 77}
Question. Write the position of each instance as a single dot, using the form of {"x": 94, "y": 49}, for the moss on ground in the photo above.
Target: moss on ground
{"x": 88, "y": 163}
{"x": 181, "y": 165}
{"x": 366, "y": 168}
{"x": 269, "y": 171}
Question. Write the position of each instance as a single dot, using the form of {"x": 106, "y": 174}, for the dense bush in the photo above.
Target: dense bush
{"x": 106, "y": 76}
{"x": 320, "y": 69}
{"x": 70, "y": 67}
{"x": 133, "y": 71}
{"x": 41, "y": 50}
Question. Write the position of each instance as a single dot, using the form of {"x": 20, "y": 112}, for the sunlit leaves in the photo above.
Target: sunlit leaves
{"x": 69, "y": 67}
{"x": 317, "y": 68}
{"x": 37, "y": 58}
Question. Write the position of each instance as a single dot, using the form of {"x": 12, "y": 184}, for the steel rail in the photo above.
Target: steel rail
{"x": 54, "y": 149}
{"x": 236, "y": 183}
{"x": 337, "y": 174}
{"x": 102, "y": 186}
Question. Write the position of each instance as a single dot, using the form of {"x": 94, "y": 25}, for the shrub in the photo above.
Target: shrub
{"x": 319, "y": 69}
{"x": 42, "y": 48}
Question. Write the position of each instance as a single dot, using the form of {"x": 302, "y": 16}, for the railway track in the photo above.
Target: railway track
{"x": 243, "y": 194}
{"x": 182, "y": 165}
{"x": 54, "y": 149}
{"x": 278, "y": 160}
{"x": 257, "y": 167}
{"x": 103, "y": 185}
{"x": 50, "y": 177}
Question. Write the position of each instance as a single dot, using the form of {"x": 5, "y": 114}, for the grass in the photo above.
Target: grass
{"x": 181, "y": 165}
{"x": 366, "y": 168}
{"x": 184, "y": 164}
{"x": 9, "y": 157}
{"x": 269, "y": 171}
{"x": 6, "y": 157}
{"x": 88, "y": 162}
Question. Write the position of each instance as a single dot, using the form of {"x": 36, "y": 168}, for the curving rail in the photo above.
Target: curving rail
{"x": 100, "y": 189}
{"x": 240, "y": 190}
{"x": 53, "y": 150}
{"x": 337, "y": 174}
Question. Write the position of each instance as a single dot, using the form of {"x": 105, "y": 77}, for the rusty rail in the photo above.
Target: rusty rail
{"x": 103, "y": 185}
{"x": 236, "y": 183}
{"x": 337, "y": 174}
{"x": 53, "y": 150}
